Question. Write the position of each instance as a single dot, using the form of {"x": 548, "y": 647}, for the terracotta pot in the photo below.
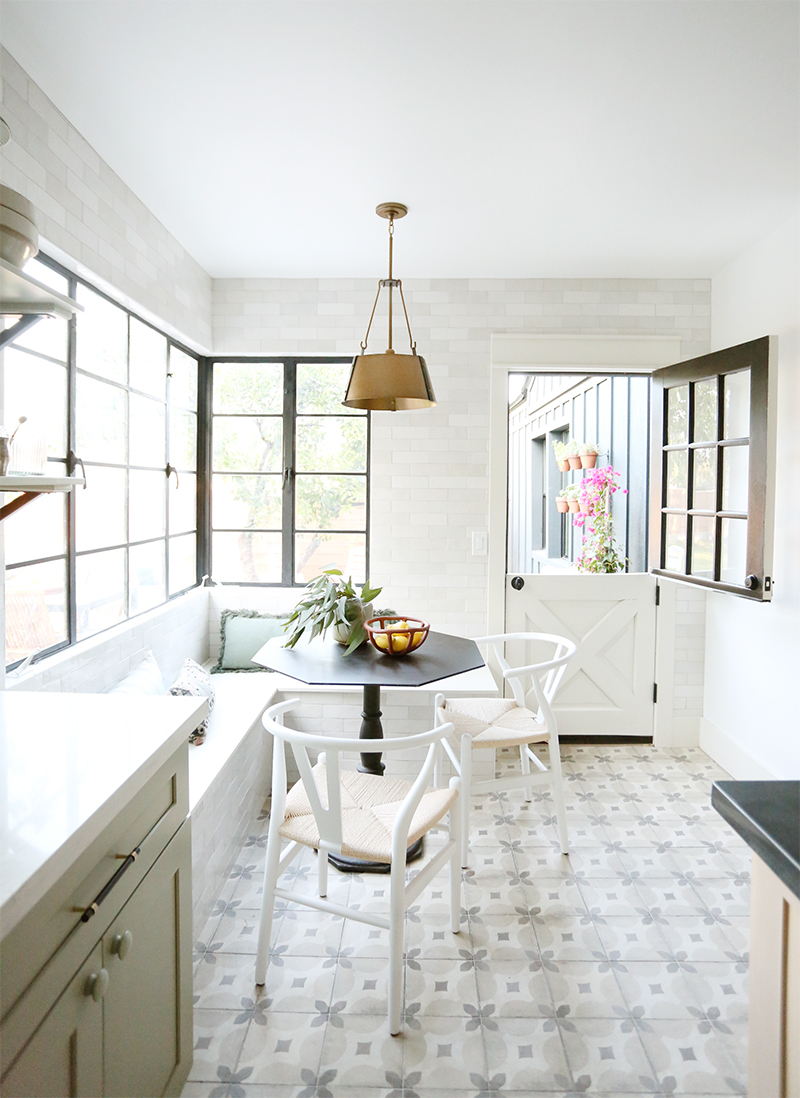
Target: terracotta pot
{"x": 562, "y": 505}
{"x": 575, "y": 461}
{"x": 588, "y": 461}
{"x": 564, "y": 465}
{"x": 585, "y": 508}
{"x": 574, "y": 507}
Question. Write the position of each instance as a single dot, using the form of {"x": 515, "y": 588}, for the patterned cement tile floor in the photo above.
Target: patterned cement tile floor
{"x": 621, "y": 970}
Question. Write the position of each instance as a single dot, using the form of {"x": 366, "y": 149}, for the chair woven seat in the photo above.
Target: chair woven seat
{"x": 369, "y": 807}
{"x": 495, "y": 722}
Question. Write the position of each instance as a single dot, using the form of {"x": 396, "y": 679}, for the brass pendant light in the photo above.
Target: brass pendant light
{"x": 389, "y": 382}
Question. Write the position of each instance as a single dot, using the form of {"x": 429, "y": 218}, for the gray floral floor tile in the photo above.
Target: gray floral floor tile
{"x": 446, "y": 1051}
{"x": 529, "y": 1052}
{"x": 218, "y": 1040}
{"x": 608, "y": 1052}
{"x": 279, "y": 1051}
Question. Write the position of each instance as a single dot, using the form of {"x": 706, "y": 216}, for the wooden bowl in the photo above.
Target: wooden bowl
{"x": 391, "y": 641}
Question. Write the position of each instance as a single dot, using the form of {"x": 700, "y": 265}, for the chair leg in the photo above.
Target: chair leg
{"x": 268, "y": 900}
{"x": 322, "y": 873}
{"x": 397, "y": 911}
{"x": 525, "y": 762}
{"x": 465, "y": 796}
{"x": 557, "y": 784}
{"x": 455, "y": 866}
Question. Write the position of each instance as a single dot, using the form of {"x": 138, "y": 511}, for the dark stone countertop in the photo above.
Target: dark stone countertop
{"x": 767, "y": 816}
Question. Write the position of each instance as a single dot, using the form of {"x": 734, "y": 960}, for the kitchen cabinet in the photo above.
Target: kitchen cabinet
{"x": 96, "y": 961}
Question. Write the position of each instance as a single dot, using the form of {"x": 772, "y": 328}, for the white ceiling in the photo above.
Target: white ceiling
{"x": 528, "y": 137}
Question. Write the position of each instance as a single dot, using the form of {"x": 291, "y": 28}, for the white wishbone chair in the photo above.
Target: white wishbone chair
{"x": 491, "y": 723}
{"x": 339, "y": 811}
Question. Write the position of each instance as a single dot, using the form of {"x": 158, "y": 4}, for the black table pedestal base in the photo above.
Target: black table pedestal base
{"x": 354, "y": 865}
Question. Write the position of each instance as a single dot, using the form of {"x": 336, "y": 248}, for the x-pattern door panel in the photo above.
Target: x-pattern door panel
{"x": 607, "y": 689}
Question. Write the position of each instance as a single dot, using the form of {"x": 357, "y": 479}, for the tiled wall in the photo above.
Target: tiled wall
{"x": 88, "y": 212}
{"x": 690, "y": 641}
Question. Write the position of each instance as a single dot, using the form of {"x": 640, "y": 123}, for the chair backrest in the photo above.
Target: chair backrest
{"x": 545, "y": 676}
{"x": 327, "y": 808}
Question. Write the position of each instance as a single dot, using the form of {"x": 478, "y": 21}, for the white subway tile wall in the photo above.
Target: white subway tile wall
{"x": 88, "y": 212}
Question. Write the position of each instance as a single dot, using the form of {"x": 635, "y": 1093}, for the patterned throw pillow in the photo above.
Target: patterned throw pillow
{"x": 193, "y": 681}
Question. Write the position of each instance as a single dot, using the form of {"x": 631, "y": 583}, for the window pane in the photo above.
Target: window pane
{"x": 252, "y": 387}
{"x": 101, "y": 421}
{"x": 737, "y": 405}
{"x": 703, "y": 547}
{"x": 677, "y": 478}
{"x": 677, "y": 414}
{"x": 331, "y": 503}
{"x": 247, "y": 557}
{"x": 48, "y": 336}
{"x": 321, "y": 387}
{"x": 146, "y": 576}
{"x": 182, "y": 501}
{"x": 675, "y": 547}
{"x": 182, "y": 439}
{"x": 146, "y": 515}
{"x": 148, "y": 359}
{"x": 36, "y": 608}
{"x": 100, "y": 582}
{"x": 705, "y": 411}
{"x": 246, "y": 502}
{"x": 100, "y": 509}
{"x": 331, "y": 444}
{"x": 183, "y": 379}
{"x": 182, "y": 563}
{"x": 704, "y": 497}
{"x": 735, "y": 478}
{"x": 102, "y": 337}
{"x": 244, "y": 443}
{"x": 36, "y": 389}
{"x": 733, "y": 565}
{"x": 314, "y": 553}
{"x": 148, "y": 440}
{"x": 38, "y": 529}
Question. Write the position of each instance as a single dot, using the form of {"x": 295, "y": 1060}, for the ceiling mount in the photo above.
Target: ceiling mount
{"x": 392, "y": 211}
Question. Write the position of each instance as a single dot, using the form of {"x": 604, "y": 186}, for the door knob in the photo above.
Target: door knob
{"x": 518, "y": 583}
{"x": 121, "y": 944}
{"x": 97, "y": 985}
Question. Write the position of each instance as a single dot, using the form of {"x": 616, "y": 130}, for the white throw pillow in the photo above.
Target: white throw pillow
{"x": 144, "y": 679}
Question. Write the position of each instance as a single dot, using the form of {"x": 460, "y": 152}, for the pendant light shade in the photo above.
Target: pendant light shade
{"x": 389, "y": 382}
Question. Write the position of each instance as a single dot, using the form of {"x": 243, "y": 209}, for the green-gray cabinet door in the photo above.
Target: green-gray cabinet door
{"x": 65, "y": 1055}
{"x": 148, "y": 1005}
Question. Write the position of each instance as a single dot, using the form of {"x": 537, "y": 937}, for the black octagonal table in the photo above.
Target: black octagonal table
{"x": 323, "y": 663}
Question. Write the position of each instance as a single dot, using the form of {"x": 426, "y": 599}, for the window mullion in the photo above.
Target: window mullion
{"x": 72, "y": 418}
{"x": 288, "y": 501}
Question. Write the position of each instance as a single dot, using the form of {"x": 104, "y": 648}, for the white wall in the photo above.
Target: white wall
{"x": 753, "y": 650}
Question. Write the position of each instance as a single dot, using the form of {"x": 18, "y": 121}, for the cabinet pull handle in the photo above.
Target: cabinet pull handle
{"x": 121, "y": 944}
{"x": 101, "y": 895}
{"x": 97, "y": 985}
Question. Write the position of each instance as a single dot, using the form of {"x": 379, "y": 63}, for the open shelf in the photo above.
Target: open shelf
{"x": 32, "y": 486}
{"x": 19, "y": 293}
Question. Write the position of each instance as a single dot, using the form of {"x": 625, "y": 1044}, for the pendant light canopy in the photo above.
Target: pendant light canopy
{"x": 389, "y": 382}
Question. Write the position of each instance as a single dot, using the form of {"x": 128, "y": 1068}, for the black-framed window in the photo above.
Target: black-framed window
{"x": 115, "y": 392}
{"x": 289, "y": 472}
{"x": 713, "y": 470}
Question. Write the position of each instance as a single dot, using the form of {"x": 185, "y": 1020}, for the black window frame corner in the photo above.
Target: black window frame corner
{"x": 759, "y": 356}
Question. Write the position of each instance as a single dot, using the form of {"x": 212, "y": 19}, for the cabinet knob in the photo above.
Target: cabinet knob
{"x": 121, "y": 944}
{"x": 97, "y": 985}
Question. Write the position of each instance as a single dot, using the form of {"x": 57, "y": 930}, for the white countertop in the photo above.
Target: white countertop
{"x": 68, "y": 764}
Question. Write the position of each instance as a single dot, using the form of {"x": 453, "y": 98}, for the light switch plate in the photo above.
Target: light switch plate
{"x": 480, "y": 542}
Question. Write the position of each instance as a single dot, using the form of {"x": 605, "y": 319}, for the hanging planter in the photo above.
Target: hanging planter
{"x": 589, "y": 453}
{"x": 562, "y": 504}
{"x": 562, "y": 460}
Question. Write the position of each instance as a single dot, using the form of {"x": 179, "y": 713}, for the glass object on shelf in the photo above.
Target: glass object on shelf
{"x": 246, "y": 502}
{"x": 37, "y": 389}
{"x": 147, "y": 432}
{"x": 316, "y": 552}
{"x": 736, "y": 406}
{"x": 182, "y": 379}
{"x": 101, "y": 341}
{"x": 100, "y": 509}
{"x": 320, "y": 388}
{"x": 101, "y": 421}
{"x": 677, "y": 478}
{"x": 182, "y": 502}
{"x": 146, "y": 576}
{"x": 675, "y": 543}
{"x": 248, "y": 387}
{"x": 335, "y": 444}
{"x": 733, "y": 555}
{"x": 705, "y": 411}
{"x": 703, "y": 546}
{"x": 182, "y": 563}
{"x": 146, "y": 508}
{"x": 677, "y": 415}
{"x": 248, "y": 444}
{"x": 39, "y": 529}
{"x": 704, "y": 493}
{"x": 735, "y": 478}
{"x": 330, "y": 502}
{"x": 247, "y": 556}
{"x": 100, "y": 590}
{"x": 148, "y": 360}
{"x": 36, "y": 608}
